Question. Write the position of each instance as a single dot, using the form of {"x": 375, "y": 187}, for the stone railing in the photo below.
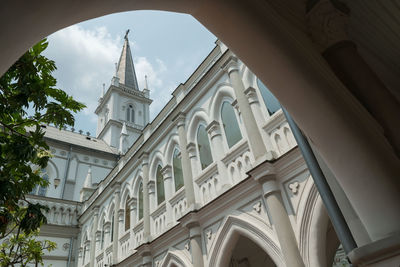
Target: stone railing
{"x": 61, "y": 212}
{"x": 207, "y": 183}
{"x": 238, "y": 161}
{"x": 279, "y": 133}
{"x": 109, "y": 255}
{"x": 137, "y": 235}
{"x": 124, "y": 245}
{"x": 178, "y": 204}
{"x": 100, "y": 260}
{"x": 158, "y": 218}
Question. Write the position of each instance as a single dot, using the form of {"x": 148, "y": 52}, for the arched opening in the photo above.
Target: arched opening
{"x": 178, "y": 174}
{"x": 160, "y": 186}
{"x": 140, "y": 213}
{"x": 130, "y": 114}
{"x": 127, "y": 214}
{"x": 246, "y": 253}
{"x": 230, "y": 124}
{"x": 203, "y": 145}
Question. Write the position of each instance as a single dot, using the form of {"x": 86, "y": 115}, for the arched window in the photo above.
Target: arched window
{"x": 204, "y": 147}
{"x": 231, "y": 126}
{"x": 160, "y": 185}
{"x": 270, "y": 100}
{"x": 112, "y": 227}
{"x": 140, "y": 201}
{"x": 43, "y": 189}
{"x": 103, "y": 230}
{"x": 127, "y": 215}
{"x": 85, "y": 248}
{"x": 130, "y": 114}
{"x": 177, "y": 165}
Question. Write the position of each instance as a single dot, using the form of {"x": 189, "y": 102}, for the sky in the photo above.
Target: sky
{"x": 166, "y": 46}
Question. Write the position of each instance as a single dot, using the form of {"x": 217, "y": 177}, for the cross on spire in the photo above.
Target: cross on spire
{"x": 125, "y": 68}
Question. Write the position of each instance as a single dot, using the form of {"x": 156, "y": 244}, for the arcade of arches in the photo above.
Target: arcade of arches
{"x": 334, "y": 70}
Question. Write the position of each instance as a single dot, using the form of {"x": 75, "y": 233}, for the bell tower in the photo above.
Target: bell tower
{"x": 123, "y": 110}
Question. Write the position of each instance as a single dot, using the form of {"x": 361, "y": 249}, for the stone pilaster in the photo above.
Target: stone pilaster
{"x": 117, "y": 191}
{"x": 254, "y": 136}
{"x": 169, "y": 190}
{"x": 264, "y": 174}
{"x": 146, "y": 199}
{"x": 186, "y": 162}
{"x": 93, "y": 236}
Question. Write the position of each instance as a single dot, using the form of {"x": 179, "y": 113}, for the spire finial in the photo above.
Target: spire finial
{"x": 126, "y": 35}
{"x": 146, "y": 84}
{"x": 104, "y": 90}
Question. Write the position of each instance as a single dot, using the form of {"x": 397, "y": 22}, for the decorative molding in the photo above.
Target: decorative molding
{"x": 294, "y": 187}
{"x": 327, "y": 24}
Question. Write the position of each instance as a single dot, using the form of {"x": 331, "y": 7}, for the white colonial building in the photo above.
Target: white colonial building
{"x": 216, "y": 179}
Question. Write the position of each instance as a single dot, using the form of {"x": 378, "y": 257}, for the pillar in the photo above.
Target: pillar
{"x": 263, "y": 173}
{"x": 348, "y": 65}
{"x": 191, "y": 222}
{"x": 254, "y": 136}
{"x": 286, "y": 61}
{"x": 217, "y": 144}
{"x": 117, "y": 191}
{"x": 93, "y": 236}
{"x": 146, "y": 200}
{"x": 186, "y": 162}
{"x": 169, "y": 191}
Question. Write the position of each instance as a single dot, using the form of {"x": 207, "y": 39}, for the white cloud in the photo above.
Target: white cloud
{"x": 86, "y": 59}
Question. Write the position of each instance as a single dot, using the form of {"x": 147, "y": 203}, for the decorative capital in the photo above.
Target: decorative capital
{"x": 132, "y": 202}
{"x": 152, "y": 187}
{"x": 327, "y": 24}
{"x": 96, "y": 210}
{"x": 180, "y": 119}
{"x": 166, "y": 172}
{"x": 145, "y": 158}
{"x": 251, "y": 95}
{"x": 231, "y": 64}
{"x": 214, "y": 129}
{"x": 191, "y": 149}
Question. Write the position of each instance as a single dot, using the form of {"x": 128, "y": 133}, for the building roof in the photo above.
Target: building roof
{"x": 125, "y": 68}
{"x": 78, "y": 139}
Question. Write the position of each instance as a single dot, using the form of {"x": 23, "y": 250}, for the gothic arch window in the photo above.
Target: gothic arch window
{"x": 230, "y": 124}
{"x": 270, "y": 100}
{"x": 203, "y": 145}
{"x": 103, "y": 230}
{"x": 127, "y": 214}
{"x": 140, "y": 201}
{"x": 41, "y": 190}
{"x": 112, "y": 227}
{"x": 130, "y": 114}
{"x": 177, "y": 165}
{"x": 160, "y": 185}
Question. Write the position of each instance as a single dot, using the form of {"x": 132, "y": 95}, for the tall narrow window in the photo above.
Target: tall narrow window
{"x": 177, "y": 165}
{"x": 231, "y": 126}
{"x": 103, "y": 230}
{"x": 127, "y": 214}
{"x": 204, "y": 147}
{"x": 141, "y": 201}
{"x": 160, "y": 185}
{"x": 270, "y": 100}
{"x": 112, "y": 227}
{"x": 84, "y": 249}
{"x": 43, "y": 189}
{"x": 130, "y": 114}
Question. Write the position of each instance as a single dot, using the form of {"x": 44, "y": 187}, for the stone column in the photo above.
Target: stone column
{"x": 186, "y": 162}
{"x": 263, "y": 173}
{"x": 217, "y": 143}
{"x": 254, "y": 136}
{"x": 191, "y": 222}
{"x": 169, "y": 190}
{"x": 254, "y": 102}
{"x": 117, "y": 191}
{"x": 348, "y": 65}
{"x": 93, "y": 236}
{"x": 146, "y": 200}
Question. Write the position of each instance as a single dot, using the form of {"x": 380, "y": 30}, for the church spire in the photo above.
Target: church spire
{"x": 125, "y": 68}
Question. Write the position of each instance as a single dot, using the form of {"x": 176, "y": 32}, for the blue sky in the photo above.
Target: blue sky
{"x": 167, "y": 47}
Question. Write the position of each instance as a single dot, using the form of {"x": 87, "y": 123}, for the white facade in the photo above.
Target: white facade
{"x": 250, "y": 202}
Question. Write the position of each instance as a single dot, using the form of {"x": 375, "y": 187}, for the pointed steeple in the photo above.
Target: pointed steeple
{"x": 125, "y": 68}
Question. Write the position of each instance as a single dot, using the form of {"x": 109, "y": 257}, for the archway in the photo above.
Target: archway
{"x": 246, "y": 253}
{"x": 261, "y": 34}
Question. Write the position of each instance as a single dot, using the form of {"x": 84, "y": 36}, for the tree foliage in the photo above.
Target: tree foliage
{"x": 28, "y": 100}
